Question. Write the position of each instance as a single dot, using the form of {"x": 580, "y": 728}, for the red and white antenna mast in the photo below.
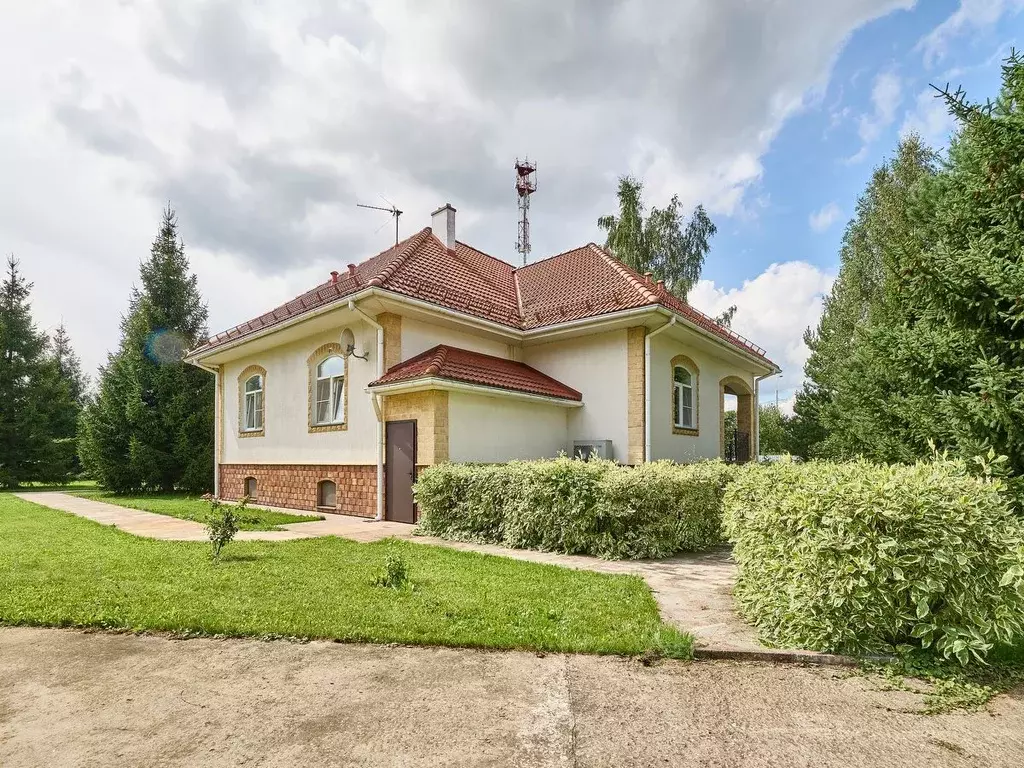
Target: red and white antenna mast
{"x": 526, "y": 185}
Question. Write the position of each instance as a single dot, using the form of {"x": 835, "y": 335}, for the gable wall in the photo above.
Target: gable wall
{"x": 666, "y": 443}
{"x": 419, "y": 336}
{"x": 287, "y": 438}
{"x": 596, "y": 365}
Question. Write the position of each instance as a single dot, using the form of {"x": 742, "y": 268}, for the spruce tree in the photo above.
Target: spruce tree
{"x": 65, "y": 385}
{"x": 967, "y": 286}
{"x": 856, "y": 391}
{"x": 151, "y": 426}
{"x": 24, "y": 417}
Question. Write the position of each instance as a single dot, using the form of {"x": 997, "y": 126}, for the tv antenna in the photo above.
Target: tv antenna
{"x": 526, "y": 185}
{"x": 395, "y": 213}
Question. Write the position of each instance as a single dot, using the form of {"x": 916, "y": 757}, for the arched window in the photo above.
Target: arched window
{"x": 684, "y": 395}
{"x": 329, "y": 406}
{"x": 253, "y": 406}
{"x": 326, "y": 494}
{"x": 250, "y": 488}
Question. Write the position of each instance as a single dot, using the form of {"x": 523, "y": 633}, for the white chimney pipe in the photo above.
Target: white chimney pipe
{"x": 442, "y": 224}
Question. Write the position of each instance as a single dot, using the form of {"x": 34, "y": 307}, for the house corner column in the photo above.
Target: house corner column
{"x": 636, "y": 389}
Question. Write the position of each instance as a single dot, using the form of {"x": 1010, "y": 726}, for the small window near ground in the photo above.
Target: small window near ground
{"x": 250, "y": 487}
{"x": 253, "y": 421}
{"x": 325, "y": 494}
{"x": 682, "y": 398}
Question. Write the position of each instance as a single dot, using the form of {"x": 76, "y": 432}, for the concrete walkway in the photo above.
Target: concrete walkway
{"x": 154, "y": 526}
{"x": 71, "y": 698}
{"x": 694, "y": 591}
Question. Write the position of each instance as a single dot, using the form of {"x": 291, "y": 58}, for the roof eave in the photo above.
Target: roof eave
{"x": 422, "y": 383}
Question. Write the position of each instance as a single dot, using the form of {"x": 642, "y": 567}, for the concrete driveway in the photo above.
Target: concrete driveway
{"x": 74, "y": 699}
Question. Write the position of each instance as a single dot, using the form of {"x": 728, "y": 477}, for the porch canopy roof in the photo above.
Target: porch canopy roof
{"x": 461, "y": 366}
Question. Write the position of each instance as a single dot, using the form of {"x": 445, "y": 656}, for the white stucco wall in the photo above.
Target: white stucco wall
{"x": 493, "y": 429}
{"x": 684, "y": 448}
{"x": 418, "y": 336}
{"x": 286, "y": 437}
{"x": 596, "y": 366}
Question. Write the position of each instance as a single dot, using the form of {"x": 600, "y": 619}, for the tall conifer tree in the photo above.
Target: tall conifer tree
{"x": 24, "y": 411}
{"x": 151, "y": 426}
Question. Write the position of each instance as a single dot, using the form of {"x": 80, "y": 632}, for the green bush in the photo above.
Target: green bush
{"x": 576, "y": 507}
{"x": 862, "y": 558}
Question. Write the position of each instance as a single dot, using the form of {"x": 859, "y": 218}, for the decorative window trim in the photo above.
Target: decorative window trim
{"x": 320, "y": 354}
{"x": 682, "y": 361}
{"x": 246, "y": 374}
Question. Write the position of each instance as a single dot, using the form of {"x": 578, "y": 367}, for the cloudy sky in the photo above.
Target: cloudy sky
{"x": 265, "y": 122}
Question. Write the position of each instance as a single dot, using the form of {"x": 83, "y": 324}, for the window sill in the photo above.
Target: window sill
{"x": 321, "y": 508}
{"x": 328, "y": 427}
{"x": 686, "y": 431}
{"x": 251, "y": 433}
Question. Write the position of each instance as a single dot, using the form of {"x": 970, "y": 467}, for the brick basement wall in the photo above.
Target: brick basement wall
{"x": 294, "y": 485}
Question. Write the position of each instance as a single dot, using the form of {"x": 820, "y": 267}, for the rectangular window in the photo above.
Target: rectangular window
{"x": 682, "y": 406}
{"x": 330, "y": 401}
{"x": 254, "y": 411}
{"x": 323, "y": 401}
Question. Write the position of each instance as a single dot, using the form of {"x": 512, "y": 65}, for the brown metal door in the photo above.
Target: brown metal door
{"x": 400, "y": 471}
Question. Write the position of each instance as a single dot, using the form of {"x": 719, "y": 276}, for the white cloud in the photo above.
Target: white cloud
{"x": 823, "y": 219}
{"x": 886, "y": 96}
{"x": 970, "y": 15}
{"x": 774, "y": 309}
{"x": 265, "y": 122}
{"x": 930, "y": 119}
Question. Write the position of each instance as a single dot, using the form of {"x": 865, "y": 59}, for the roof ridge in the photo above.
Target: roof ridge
{"x": 484, "y": 253}
{"x": 412, "y": 243}
{"x": 440, "y": 357}
{"x": 549, "y": 258}
{"x": 631, "y": 276}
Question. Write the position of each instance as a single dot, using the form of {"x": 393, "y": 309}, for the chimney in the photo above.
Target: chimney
{"x": 442, "y": 224}
{"x": 352, "y": 270}
{"x": 334, "y": 276}
{"x": 661, "y": 285}
{"x": 648, "y": 276}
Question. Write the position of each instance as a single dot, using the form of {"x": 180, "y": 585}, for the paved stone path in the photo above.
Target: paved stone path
{"x": 70, "y": 698}
{"x": 693, "y": 590}
{"x": 154, "y": 526}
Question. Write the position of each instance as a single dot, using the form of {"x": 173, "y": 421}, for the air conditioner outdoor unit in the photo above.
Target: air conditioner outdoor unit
{"x": 592, "y": 449}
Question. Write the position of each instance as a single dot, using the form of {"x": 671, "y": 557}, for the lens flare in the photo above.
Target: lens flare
{"x": 166, "y": 347}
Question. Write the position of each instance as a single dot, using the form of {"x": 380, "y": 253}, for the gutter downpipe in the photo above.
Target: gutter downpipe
{"x": 647, "y": 384}
{"x": 217, "y": 416}
{"x": 377, "y": 407}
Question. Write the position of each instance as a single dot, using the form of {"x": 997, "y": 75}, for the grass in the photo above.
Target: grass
{"x": 60, "y": 570}
{"x": 191, "y": 508}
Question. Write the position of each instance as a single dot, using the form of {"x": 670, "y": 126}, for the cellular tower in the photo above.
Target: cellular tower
{"x": 526, "y": 185}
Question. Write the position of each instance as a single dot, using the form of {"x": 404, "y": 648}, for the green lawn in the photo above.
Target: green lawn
{"x": 191, "y": 508}
{"x": 60, "y": 570}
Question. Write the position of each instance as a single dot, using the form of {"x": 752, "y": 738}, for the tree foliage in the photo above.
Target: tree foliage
{"x": 663, "y": 242}
{"x": 67, "y": 388}
{"x": 151, "y": 426}
{"x": 24, "y": 417}
{"x": 854, "y": 402}
{"x": 922, "y": 339}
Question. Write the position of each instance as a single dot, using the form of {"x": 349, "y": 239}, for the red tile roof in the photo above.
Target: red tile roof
{"x": 581, "y": 283}
{"x": 455, "y": 364}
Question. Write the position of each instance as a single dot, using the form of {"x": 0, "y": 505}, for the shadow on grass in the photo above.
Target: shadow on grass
{"x": 238, "y": 558}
